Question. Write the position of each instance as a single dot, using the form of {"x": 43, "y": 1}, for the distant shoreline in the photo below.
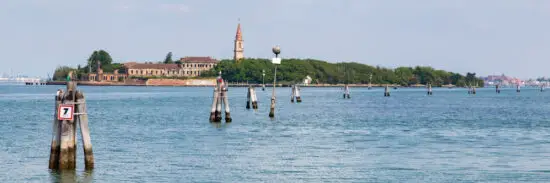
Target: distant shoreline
{"x": 85, "y": 83}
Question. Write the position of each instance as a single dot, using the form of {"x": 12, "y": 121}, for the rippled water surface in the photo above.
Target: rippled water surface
{"x": 162, "y": 134}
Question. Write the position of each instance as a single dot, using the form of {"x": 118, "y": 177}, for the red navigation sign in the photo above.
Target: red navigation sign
{"x": 65, "y": 112}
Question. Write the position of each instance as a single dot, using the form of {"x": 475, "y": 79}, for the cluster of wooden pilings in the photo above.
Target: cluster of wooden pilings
{"x": 295, "y": 93}
{"x": 220, "y": 97}
{"x": 471, "y": 90}
{"x": 70, "y": 110}
{"x": 346, "y": 92}
{"x": 251, "y": 98}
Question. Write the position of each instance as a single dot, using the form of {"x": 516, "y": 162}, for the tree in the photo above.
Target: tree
{"x": 61, "y": 73}
{"x": 102, "y": 56}
{"x": 168, "y": 59}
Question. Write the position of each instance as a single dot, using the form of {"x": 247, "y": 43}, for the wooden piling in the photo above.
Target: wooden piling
{"x": 214, "y": 104}
{"x": 82, "y": 119}
{"x": 430, "y": 89}
{"x": 346, "y": 91}
{"x": 226, "y": 105}
{"x": 292, "y": 94}
{"x": 218, "y": 107}
{"x": 518, "y": 88}
{"x": 497, "y": 88}
{"x": 55, "y": 145}
{"x": 386, "y": 91}
{"x": 297, "y": 93}
{"x": 254, "y": 98}
{"x": 542, "y": 88}
{"x": 63, "y": 146}
{"x": 67, "y": 142}
{"x": 248, "y": 97}
{"x": 474, "y": 90}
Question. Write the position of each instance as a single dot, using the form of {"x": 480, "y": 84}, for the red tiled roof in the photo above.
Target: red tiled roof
{"x": 152, "y": 66}
{"x": 239, "y": 35}
{"x": 198, "y": 60}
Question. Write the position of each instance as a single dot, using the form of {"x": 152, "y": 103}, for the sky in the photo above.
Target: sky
{"x": 487, "y": 37}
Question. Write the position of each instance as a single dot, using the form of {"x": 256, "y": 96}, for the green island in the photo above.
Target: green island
{"x": 322, "y": 72}
{"x": 292, "y": 71}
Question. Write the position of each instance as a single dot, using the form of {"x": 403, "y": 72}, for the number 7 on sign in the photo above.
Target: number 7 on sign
{"x": 65, "y": 112}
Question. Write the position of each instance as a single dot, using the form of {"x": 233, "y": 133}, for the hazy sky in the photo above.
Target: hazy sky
{"x": 482, "y": 36}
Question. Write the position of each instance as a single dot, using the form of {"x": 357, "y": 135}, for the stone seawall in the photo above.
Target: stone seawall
{"x": 179, "y": 82}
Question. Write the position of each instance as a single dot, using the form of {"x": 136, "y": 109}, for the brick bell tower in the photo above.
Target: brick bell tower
{"x": 239, "y": 49}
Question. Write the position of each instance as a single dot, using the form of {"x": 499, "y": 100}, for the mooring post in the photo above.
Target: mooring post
{"x": 297, "y": 93}
{"x": 542, "y": 88}
{"x": 430, "y": 89}
{"x": 219, "y": 100}
{"x": 254, "y": 99}
{"x": 82, "y": 113}
{"x": 214, "y": 104}
{"x": 474, "y": 90}
{"x": 517, "y": 88}
{"x": 292, "y": 93}
{"x": 248, "y": 97}
{"x": 226, "y": 104}
{"x": 386, "y": 91}
{"x": 497, "y": 87}
{"x": 67, "y": 142}
{"x": 346, "y": 91}
{"x": 55, "y": 145}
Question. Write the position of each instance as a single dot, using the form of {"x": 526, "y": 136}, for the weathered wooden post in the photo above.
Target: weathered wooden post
{"x": 254, "y": 99}
{"x": 276, "y": 61}
{"x": 386, "y": 91}
{"x": 54, "y": 150}
{"x": 517, "y": 88}
{"x": 66, "y": 150}
{"x": 346, "y": 91}
{"x": 63, "y": 147}
{"x": 292, "y": 93}
{"x": 82, "y": 118}
{"x": 297, "y": 93}
{"x": 214, "y": 104}
{"x": 430, "y": 89}
{"x": 226, "y": 103}
{"x": 248, "y": 97}
{"x": 474, "y": 90}
{"x": 542, "y": 88}
{"x": 220, "y": 97}
{"x": 497, "y": 88}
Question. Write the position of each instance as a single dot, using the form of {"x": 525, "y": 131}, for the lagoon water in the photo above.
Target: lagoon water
{"x": 162, "y": 134}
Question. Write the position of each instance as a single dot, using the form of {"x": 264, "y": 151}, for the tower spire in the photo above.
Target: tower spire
{"x": 239, "y": 48}
{"x": 239, "y": 35}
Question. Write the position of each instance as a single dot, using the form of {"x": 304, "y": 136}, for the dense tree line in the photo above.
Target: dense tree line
{"x": 295, "y": 70}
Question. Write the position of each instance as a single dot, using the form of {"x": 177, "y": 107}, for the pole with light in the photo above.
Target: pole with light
{"x": 276, "y": 61}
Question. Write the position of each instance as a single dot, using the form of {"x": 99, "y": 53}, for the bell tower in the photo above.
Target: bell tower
{"x": 239, "y": 48}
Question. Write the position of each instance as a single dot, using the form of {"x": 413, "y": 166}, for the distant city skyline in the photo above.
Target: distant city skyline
{"x": 488, "y": 37}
